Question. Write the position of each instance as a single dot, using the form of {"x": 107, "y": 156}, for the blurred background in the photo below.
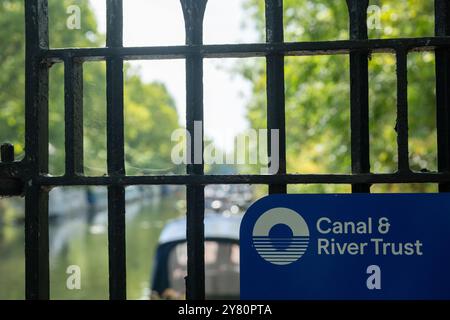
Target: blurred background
{"x": 317, "y": 116}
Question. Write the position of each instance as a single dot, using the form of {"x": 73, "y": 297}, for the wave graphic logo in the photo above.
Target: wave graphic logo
{"x": 281, "y": 236}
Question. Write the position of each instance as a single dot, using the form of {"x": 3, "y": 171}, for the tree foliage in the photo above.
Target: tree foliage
{"x": 318, "y": 89}
{"x": 150, "y": 111}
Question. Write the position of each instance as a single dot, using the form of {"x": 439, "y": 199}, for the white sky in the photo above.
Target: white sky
{"x": 159, "y": 23}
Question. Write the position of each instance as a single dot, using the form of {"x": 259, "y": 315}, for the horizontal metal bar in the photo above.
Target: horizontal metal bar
{"x": 11, "y": 178}
{"x": 10, "y": 187}
{"x": 12, "y": 169}
{"x": 249, "y": 50}
{"x": 246, "y": 179}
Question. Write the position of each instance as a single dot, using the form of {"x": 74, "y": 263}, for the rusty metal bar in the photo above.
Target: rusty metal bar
{"x": 200, "y": 180}
{"x": 194, "y": 11}
{"x": 276, "y": 117}
{"x": 359, "y": 100}
{"x": 442, "y": 21}
{"x": 402, "y": 111}
{"x": 116, "y": 153}
{"x": 73, "y": 115}
{"x": 36, "y": 150}
{"x": 251, "y": 50}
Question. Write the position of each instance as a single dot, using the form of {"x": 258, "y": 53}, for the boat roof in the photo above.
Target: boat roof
{"x": 217, "y": 226}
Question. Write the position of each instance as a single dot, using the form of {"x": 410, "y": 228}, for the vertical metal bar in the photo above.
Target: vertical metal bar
{"x": 194, "y": 11}
{"x": 442, "y": 20}
{"x": 116, "y": 153}
{"x": 402, "y": 110}
{"x": 73, "y": 94}
{"x": 276, "y": 118}
{"x": 36, "y": 149}
{"x": 359, "y": 83}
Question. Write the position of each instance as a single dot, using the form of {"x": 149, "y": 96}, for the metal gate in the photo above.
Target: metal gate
{"x": 30, "y": 177}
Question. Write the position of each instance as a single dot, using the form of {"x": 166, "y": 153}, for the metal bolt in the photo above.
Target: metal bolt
{"x": 7, "y": 152}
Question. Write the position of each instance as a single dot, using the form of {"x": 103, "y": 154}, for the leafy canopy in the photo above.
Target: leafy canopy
{"x": 150, "y": 111}
{"x": 318, "y": 90}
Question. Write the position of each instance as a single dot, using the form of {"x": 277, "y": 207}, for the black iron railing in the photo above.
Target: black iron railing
{"x": 30, "y": 176}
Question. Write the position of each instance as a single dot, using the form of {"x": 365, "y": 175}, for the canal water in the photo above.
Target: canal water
{"x": 80, "y": 239}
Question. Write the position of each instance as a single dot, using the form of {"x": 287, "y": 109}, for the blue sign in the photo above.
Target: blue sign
{"x": 352, "y": 246}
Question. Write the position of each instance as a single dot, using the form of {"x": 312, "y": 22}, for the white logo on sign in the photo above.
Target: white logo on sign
{"x": 281, "y": 236}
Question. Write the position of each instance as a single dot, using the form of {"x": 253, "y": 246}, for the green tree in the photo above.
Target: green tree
{"x": 150, "y": 119}
{"x": 318, "y": 90}
{"x": 149, "y": 109}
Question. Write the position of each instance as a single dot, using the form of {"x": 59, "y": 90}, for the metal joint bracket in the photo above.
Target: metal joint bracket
{"x": 11, "y": 183}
